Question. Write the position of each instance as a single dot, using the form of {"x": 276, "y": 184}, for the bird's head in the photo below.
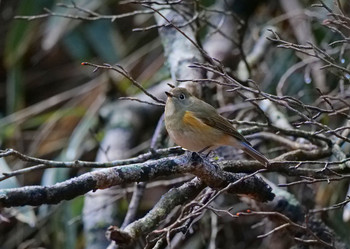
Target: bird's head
{"x": 180, "y": 98}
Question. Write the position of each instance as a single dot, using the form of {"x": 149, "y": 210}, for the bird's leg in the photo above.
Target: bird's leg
{"x": 204, "y": 149}
{"x": 209, "y": 152}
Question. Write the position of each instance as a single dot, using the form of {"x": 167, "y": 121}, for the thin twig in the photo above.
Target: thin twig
{"x": 122, "y": 71}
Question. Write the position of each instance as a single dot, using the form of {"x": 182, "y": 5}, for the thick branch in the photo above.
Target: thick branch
{"x": 173, "y": 198}
{"x": 211, "y": 174}
{"x": 45, "y": 164}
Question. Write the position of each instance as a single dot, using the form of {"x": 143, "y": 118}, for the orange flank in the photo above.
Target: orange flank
{"x": 190, "y": 119}
{"x": 225, "y": 140}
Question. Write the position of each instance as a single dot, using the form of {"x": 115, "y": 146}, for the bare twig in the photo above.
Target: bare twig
{"x": 288, "y": 223}
{"x": 87, "y": 15}
{"x": 122, "y": 71}
{"x": 335, "y": 206}
{"x": 141, "y": 101}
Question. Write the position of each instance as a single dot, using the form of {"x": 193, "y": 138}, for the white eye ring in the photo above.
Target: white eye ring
{"x": 182, "y": 96}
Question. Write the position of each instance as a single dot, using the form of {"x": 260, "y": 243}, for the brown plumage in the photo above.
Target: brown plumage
{"x": 195, "y": 125}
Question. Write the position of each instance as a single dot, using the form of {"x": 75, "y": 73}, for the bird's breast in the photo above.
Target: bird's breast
{"x": 190, "y": 132}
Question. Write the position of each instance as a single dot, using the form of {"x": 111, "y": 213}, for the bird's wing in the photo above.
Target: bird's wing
{"x": 224, "y": 125}
{"x": 211, "y": 118}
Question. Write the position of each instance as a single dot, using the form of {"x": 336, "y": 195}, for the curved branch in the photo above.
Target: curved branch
{"x": 173, "y": 198}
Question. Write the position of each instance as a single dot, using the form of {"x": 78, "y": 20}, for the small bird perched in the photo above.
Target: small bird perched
{"x": 195, "y": 125}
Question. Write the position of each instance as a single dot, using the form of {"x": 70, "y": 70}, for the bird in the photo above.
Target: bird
{"x": 196, "y": 125}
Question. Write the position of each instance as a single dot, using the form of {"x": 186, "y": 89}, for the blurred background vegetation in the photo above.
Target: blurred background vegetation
{"x": 50, "y": 105}
{"x": 49, "y": 102}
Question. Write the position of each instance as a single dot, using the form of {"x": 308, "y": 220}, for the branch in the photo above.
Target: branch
{"x": 160, "y": 211}
{"x": 289, "y": 103}
{"x": 305, "y": 229}
{"x": 141, "y": 101}
{"x": 122, "y": 71}
{"x": 88, "y": 15}
{"x": 45, "y": 164}
{"x": 209, "y": 173}
{"x": 173, "y": 198}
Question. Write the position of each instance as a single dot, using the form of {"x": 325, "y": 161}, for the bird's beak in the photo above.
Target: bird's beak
{"x": 170, "y": 95}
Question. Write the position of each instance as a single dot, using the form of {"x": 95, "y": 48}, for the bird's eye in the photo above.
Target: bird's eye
{"x": 182, "y": 96}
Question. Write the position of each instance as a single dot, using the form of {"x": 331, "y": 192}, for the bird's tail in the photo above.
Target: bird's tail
{"x": 247, "y": 148}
